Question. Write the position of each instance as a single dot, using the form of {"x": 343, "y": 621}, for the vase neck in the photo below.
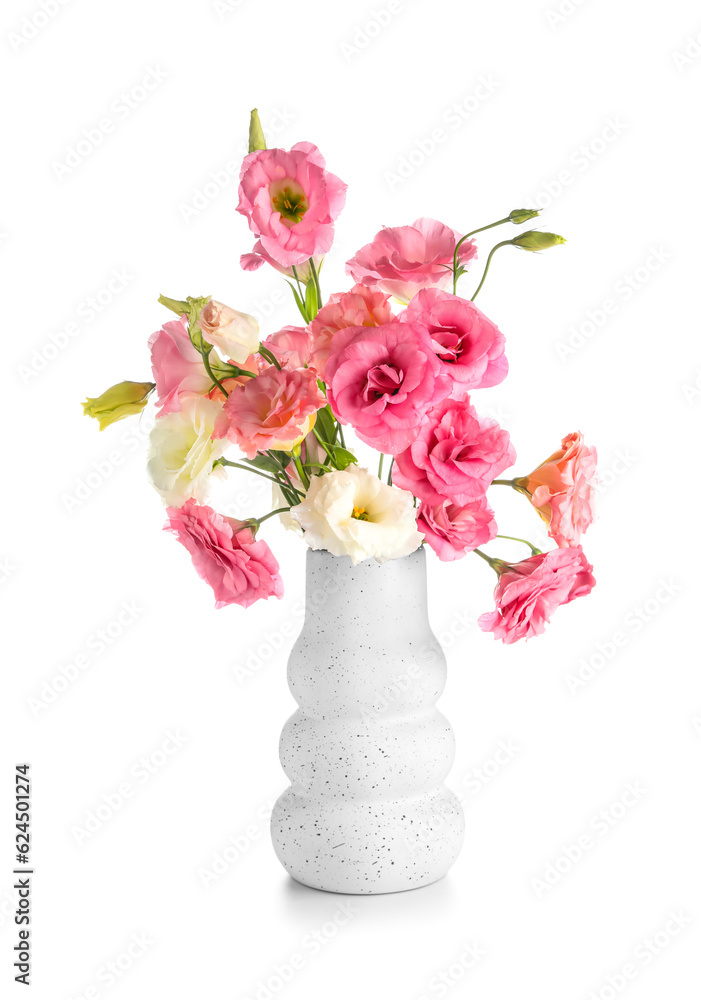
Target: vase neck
{"x": 337, "y": 590}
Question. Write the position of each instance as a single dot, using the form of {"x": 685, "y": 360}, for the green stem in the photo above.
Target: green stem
{"x": 315, "y": 276}
{"x": 389, "y": 474}
{"x": 304, "y": 478}
{"x": 513, "y": 538}
{"x": 275, "y": 457}
{"x": 301, "y": 297}
{"x": 280, "y": 510}
{"x": 256, "y": 472}
{"x": 379, "y": 471}
{"x": 208, "y": 369}
{"x": 460, "y": 242}
{"x": 504, "y": 243}
{"x": 490, "y": 226}
{"x": 498, "y": 565}
{"x": 502, "y": 482}
{"x": 323, "y": 444}
{"x": 269, "y": 356}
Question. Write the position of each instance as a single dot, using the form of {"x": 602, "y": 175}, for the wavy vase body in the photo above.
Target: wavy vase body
{"x": 367, "y": 750}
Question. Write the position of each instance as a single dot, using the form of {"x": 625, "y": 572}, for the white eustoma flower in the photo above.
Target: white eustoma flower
{"x": 182, "y": 452}
{"x": 234, "y": 334}
{"x": 353, "y": 513}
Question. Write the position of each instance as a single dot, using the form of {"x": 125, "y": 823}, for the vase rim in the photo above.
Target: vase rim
{"x": 419, "y": 554}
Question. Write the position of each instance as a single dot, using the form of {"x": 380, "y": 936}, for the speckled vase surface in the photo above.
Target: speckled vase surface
{"x": 367, "y": 750}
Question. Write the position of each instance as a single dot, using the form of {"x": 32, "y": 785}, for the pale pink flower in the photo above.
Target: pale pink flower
{"x": 177, "y": 367}
{"x": 226, "y": 555}
{"x": 453, "y": 529}
{"x": 382, "y": 380}
{"x": 562, "y": 489}
{"x": 401, "y": 260}
{"x": 234, "y": 334}
{"x": 290, "y": 201}
{"x": 529, "y": 591}
{"x": 274, "y": 411}
{"x": 259, "y": 256}
{"x": 292, "y": 346}
{"x": 455, "y": 456}
{"x": 468, "y": 345}
{"x": 361, "y": 306}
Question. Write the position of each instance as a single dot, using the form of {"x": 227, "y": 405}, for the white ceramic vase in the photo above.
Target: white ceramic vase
{"x": 367, "y": 751}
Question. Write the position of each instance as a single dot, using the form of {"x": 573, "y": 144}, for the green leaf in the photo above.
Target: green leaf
{"x": 300, "y": 304}
{"x": 264, "y": 462}
{"x": 343, "y": 458}
{"x": 325, "y": 424}
{"x": 311, "y": 301}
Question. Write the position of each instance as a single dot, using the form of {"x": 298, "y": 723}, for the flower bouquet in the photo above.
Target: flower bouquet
{"x": 396, "y": 357}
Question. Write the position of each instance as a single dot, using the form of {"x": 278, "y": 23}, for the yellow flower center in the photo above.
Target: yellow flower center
{"x": 288, "y": 198}
{"x": 359, "y": 514}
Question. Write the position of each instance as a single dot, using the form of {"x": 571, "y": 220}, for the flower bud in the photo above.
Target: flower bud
{"x": 520, "y": 215}
{"x": 256, "y": 139}
{"x": 535, "y": 240}
{"x": 119, "y": 401}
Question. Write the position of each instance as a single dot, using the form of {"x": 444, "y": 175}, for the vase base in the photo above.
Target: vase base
{"x": 368, "y": 847}
{"x": 367, "y": 892}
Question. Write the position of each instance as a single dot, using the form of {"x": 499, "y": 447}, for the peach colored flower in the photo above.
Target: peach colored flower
{"x": 226, "y": 555}
{"x": 562, "y": 489}
{"x": 361, "y": 306}
{"x": 234, "y": 334}
{"x": 529, "y": 591}
{"x": 274, "y": 411}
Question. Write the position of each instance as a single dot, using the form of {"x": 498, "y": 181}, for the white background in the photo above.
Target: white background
{"x": 594, "y": 116}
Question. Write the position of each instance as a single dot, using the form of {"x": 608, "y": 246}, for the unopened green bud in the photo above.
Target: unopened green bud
{"x": 119, "y": 401}
{"x": 520, "y": 215}
{"x": 535, "y": 240}
{"x": 178, "y": 306}
{"x": 256, "y": 139}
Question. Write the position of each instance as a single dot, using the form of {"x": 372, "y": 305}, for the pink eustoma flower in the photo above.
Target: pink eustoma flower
{"x": 177, "y": 367}
{"x": 562, "y": 489}
{"x": 455, "y": 456}
{"x": 361, "y": 306}
{"x": 529, "y": 591}
{"x": 453, "y": 529}
{"x": 274, "y": 411}
{"x": 468, "y": 345}
{"x": 382, "y": 380}
{"x": 291, "y": 346}
{"x": 290, "y": 201}
{"x": 226, "y": 555}
{"x": 401, "y": 260}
